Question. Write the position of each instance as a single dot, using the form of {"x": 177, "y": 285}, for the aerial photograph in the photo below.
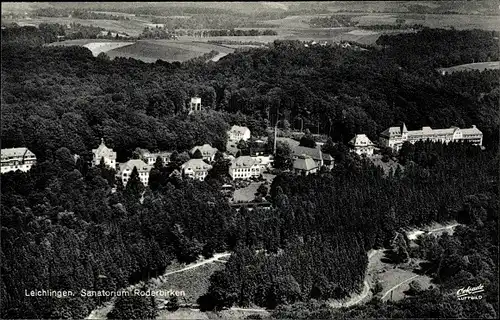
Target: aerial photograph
{"x": 250, "y": 160}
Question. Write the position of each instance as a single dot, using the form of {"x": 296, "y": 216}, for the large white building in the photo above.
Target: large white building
{"x": 207, "y": 151}
{"x": 360, "y": 144}
{"x": 394, "y": 137}
{"x": 126, "y": 170}
{"x": 196, "y": 169}
{"x": 14, "y": 159}
{"x": 244, "y": 167}
{"x": 104, "y": 152}
{"x": 237, "y": 133}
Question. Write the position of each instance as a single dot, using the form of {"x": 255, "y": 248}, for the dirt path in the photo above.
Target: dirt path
{"x": 101, "y": 312}
{"x": 398, "y": 285}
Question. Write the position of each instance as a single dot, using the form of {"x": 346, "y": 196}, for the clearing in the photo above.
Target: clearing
{"x": 480, "y": 66}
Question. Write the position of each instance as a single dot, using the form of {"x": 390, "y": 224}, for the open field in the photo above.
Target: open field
{"x": 480, "y": 66}
{"x": 394, "y": 279}
{"x": 168, "y": 50}
{"x": 248, "y": 193}
{"x": 194, "y": 282}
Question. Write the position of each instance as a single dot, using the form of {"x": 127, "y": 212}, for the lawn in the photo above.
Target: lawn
{"x": 246, "y": 194}
{"x": 194, "y": 282}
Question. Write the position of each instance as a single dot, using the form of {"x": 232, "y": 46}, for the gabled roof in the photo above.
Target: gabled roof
{"x": 304, "y": 163}
{"x": 391, "y": 132}
{"x": 139, "y": 164}
{"x": 314, "y": 153}
{"x": 16, "y": 152}
{"x": 360, "y": 140}
{"x": 197, "y": 165}
{"x": 205, "y": 149}
{"x": 102, "y": 150}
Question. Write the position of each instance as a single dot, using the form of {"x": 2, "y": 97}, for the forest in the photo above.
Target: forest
{"x": 64, "y": 228}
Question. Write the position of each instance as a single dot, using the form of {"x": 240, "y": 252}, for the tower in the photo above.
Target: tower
{"x": 195, "y": 105}
{"x": 404, "y": 133}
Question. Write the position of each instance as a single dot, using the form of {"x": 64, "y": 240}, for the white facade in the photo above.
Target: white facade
{"x": 126, "y": 169}
{"x": 14, "y": 159}
{"x": 104, "y": 152}
{"x": 194, "y": 105}
{"x": 196, "y": 169}
{"x": 237, "y": 133}
{"x": 244, "y": 167}
{"x": 394, "y": 137}
{"x": 362, "y": 145}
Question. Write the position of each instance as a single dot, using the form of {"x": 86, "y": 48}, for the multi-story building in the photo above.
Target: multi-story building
{"x": 14, "y": 159}
{"x": 244, "y": 167}
{"x": 237, "y": 133}
{"x": 304, "y": 165}
{"x": 360, "y": 144}
{"x": 126, "y": 170}
{"x": 321, "y": 158}
{"x": 394, "y": 137}
{"x": 207, "y": 151}
{"x": 196, "y": 169}
{"x": 194, "y": 105}
{"x": 104, "y": 152}
{"x": 150, "y": 157}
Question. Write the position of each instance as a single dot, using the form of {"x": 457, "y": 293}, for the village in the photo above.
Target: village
{"x": 255, "y": 168}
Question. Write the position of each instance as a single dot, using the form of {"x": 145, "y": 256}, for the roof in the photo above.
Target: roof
{"x": 16, "y": 152}
{"x": 197, "y": 165}
{"x": 473, "y": 130}
{"x": 147, "y": 153}
{"x": 102, "y": 150}
{"x": 304, "y": 163}
{"x": 139, "y": 164}
{"x": 360, "y": 140}
{"x": 391, "y": 131}
{"x": 243, "y": 162}
{"x": 205, "y": 149}
{"x": 238, "y": 129}
{"x": 314, "y": 153}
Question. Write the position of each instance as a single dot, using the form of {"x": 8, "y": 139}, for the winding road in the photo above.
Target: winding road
{"x": 101, "y": 312}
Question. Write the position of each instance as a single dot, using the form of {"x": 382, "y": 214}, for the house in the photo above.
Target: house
{"x": 104, "y": 152}
{"x": 150, "y": 157}
{"x": 196, "y": 169}
{"x": 195, "y": 105}
{"x": 125, "y": 170}
{"x": 208, "y": 152}
{"x": 305, "y": 165}
{"x": 321, "y": 158}
{"x": 360, "y": 144}
{"x": 394, "y": 137}
{"x": 244, "y": 167}
{"x": 264, "y": 162}
{"x": 237, "y": 133}
{"x": 14, "y": 159}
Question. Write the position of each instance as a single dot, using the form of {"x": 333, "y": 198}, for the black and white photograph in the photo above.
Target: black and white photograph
{"x": 256, "y": 160}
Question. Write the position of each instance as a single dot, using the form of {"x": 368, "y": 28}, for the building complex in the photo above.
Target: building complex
{"x": 394, "y": 137}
